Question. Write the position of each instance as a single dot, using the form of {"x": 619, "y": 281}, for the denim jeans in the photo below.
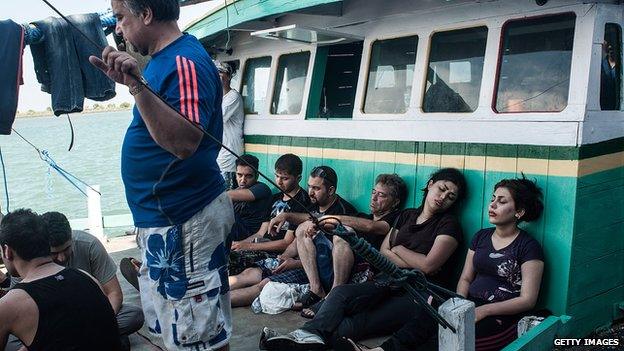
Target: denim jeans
{"x": 62, "y": 62}
{"x": 361, "y": 311}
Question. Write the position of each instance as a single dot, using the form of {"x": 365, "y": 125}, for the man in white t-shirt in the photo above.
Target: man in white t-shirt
{"x": 233, "y": 118}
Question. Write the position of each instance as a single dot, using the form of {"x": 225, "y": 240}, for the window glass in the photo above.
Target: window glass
{"x": 292, "y": 70}
{"x": 455, "y": 70}
{"x": 255, "y": 84}
{"x": 535, "y": 59}
{"x": 390, "y": 75}
{"x": 611, "y": 68}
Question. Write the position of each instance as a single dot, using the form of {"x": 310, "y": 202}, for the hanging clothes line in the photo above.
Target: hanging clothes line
{"x": 33, "y": 35}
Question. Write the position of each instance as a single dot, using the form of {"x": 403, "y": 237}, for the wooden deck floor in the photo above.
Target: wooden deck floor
{"x": 247, "y": 325}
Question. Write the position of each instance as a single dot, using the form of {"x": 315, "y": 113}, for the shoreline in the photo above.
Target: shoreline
{"x": 38, "y": 114}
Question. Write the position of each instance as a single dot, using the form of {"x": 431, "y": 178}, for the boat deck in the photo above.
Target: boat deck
{"x": 247, "y": 325}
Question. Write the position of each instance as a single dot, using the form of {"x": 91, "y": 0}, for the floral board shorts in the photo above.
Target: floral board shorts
{"x": 184, "y": 279}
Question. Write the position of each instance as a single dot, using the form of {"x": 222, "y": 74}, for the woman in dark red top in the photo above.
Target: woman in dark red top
{"x": 504, "y": 265}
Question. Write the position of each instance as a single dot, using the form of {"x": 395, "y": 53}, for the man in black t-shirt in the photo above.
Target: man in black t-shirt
{"x": 250, "y": 199}
{"x": 322, "y": 191}
{"x": 249, "y": 252}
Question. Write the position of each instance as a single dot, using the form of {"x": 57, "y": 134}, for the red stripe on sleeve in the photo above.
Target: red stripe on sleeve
{"x": 195, "y": 88}
{"x": 188, "y": 93}
{"x": 181, "y": 79}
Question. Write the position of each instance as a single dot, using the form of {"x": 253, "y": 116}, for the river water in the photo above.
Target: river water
{"x": 94, "y": 158}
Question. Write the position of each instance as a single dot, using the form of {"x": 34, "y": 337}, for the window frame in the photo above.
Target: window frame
{"x": 242, "y": 83}
{"x": 306, "y": 85}
{"x": 425, "y": 69}
{"x": 499, "y": 62}
{"x": 369, "y": 59}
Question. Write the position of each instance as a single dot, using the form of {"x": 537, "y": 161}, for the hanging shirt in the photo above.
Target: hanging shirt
{"x": 161, "y": 189}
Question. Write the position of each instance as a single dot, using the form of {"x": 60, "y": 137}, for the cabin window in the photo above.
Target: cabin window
{"x": 390, "y": 75}
{"x": 336, "y": 70}
{"x": 611, "y": 68}
{"x": 534, "y": 64}
{"x": 455, "y": 70}
{"x": 255, "y": 84}
{"x": 236, "y": 77}
{"x": 292, "y": 70}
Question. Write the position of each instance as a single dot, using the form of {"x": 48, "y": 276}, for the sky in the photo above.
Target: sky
{"x": 25, "y": 11}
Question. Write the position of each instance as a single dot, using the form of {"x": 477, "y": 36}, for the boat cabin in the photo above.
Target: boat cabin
{"x": 494, "y": 88}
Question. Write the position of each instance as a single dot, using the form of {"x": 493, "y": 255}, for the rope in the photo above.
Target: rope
{"x": 6, "y": 186}
{"x": 141, "y": 80}
{"x": 412, "y": 280}
{"x": 45, "y": 157}
{"x": 409, "y": 279}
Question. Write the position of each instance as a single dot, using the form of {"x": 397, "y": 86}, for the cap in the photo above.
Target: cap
{"x": 224, "y": 67}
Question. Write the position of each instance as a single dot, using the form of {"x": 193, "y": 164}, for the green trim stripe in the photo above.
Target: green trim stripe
{"x": 241, "y": 11}
{"x": 495, "y": 150}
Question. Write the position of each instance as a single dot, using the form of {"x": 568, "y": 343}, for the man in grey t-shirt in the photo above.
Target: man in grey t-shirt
{"x": 80, "y": 250}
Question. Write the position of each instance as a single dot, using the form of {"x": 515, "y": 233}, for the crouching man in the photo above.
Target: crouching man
{"x": 80, "y": 250}
{"x": 53, "y": 307}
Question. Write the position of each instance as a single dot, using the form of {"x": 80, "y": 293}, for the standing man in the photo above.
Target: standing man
{"x": 233, "y": 118}
{"x": 80, "y": 250}
{"x": 173, "y": 184}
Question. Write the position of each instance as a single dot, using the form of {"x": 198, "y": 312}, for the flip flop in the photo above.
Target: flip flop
{"x": 129, "y": 271}
{"x": 309, "y": 298}
{"x": 311, "y": 311}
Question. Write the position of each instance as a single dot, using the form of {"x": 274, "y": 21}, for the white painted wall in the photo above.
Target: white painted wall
{"x": 579, "y": 123}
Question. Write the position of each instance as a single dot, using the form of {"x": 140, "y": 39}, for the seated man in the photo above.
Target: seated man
{"x": 387, "y": 197}
{"x": 80, "y": 250}
{"x": 252, "y": 251}
{"x": 325, "y": 201}
{"x": 52, "y": 308}
{"x": 250, "y": 199}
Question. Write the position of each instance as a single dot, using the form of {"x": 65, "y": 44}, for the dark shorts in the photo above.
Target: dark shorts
{"x": 241, "y": 260}
{"x": 293, "y": 276}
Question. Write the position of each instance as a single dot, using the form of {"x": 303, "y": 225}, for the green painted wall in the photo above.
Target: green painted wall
{"x": 554, "y": 230}
{"x": 597, "y": 256}
{"x": 581, "y": 230}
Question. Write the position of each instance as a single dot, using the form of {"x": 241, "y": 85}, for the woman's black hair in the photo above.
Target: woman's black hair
{"x": 526, "y": 195}
{"x": 452, "y": 175}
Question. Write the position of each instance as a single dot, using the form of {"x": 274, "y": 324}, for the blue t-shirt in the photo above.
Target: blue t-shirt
{"x": 161, "y": 189}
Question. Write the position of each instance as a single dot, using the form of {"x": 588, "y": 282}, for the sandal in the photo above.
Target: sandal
{"x": 311, "y": 311}
{"x": 309, "y": 298}
{"x": 129, "y": 268}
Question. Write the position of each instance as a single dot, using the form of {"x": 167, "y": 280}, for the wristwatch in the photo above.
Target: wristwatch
{"x": 137, "y": 88}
